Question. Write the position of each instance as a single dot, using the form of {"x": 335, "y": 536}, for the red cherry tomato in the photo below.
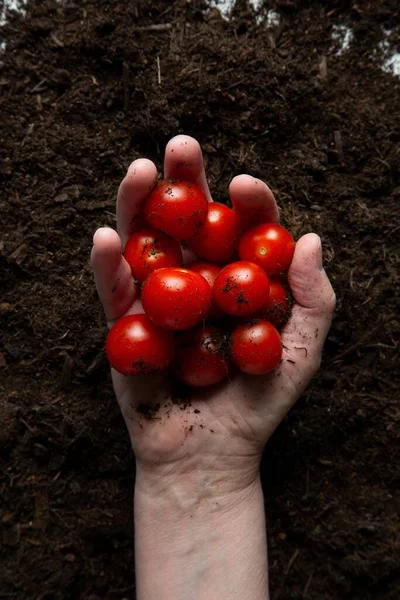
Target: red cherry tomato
{"x": 217, "y": 239}
{"x": 200, "y": 359}
{"x": 241, "y": 288}
{"x": 179, "y": 208}
{"x": 256, "y": 348}
{"x": 176, "y": 298}
{"x": 276, "y": 309}
{"x": 151, "y": 249}
{"x": 135, "y": 345}
{"x": 209, "y": 272}
{"x": 269, "y": 245}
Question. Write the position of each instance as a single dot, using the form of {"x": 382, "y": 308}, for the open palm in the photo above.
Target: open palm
{"x": 222, "y": 429}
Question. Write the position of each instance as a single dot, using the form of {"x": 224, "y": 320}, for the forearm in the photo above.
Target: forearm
{"x": 191, "y": 544}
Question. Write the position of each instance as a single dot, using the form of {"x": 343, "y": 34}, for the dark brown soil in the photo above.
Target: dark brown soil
{"x": 81, "y": 96}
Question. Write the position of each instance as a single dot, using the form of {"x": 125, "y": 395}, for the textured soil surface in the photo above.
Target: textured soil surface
{"x": 85, "y": 88}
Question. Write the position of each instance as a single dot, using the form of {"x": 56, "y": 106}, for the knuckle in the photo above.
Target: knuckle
{"x": 331, "y": 301}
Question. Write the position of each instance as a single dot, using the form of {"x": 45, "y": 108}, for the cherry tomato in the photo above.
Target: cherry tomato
{"x": 256, "y": 348}
{"x": 200, "y": 359}
{"x": 209, "y": 272}
{"x": 179, "y": 208}
{"x": 217, "y": 239}
{"x": 276, "y": 309}
{"x": 151, "y": 249}
{"x": 269, "y": 245}
{"x": 241, "y": 288}
{"x": 176, "y": 298}
{"x": 135, "y": 345}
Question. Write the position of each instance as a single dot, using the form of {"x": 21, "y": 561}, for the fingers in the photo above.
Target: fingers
{"x": 112, "y": 274}
{"x": 306, "y": 331}
{"x": 184, "y": 160}
{"x": 253, "y": 199}
{"x": 135, "y": 187}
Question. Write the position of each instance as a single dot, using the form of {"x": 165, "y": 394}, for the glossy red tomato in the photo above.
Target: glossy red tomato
{"x": 135, "y": 345}
{"x": 151, "y": 249}
{"x": 276, "y": 309}
{"x": 256, "y": 348}
{"x": 179, "y": 208}
{"x": 176, "y": 298}
{"x": 269, "y": 245}
{"x": 200, "y": 358}
{"x": 209, "y": 272}
{"x": 241, "y": 288}
{"x": 218, "y": 238}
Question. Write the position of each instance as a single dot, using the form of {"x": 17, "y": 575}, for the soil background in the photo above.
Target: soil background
{"x": 80, "y": 98}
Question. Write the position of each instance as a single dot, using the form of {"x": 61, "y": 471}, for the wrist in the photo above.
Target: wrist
{"x": 204, "y": 539}
{"x": 197, "y": 479}
{"x": 184, "y": 495}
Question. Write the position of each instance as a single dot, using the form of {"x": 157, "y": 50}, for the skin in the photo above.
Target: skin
{"x": 199, "y": 513}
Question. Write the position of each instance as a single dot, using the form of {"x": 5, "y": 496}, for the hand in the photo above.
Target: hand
{"x": 221, "y": 432}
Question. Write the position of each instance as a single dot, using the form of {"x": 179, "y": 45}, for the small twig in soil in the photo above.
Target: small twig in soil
{"x": 155, "y": 27}
{"x": 158, "y": 70}
{"x": 57, "y": 42}
{"x": 323, "y": 68}
{"x": 292, "y": 560}
{"x": 271, "y": 40}
{"x": 230, "y": 87}
{"x": 38, "y": 87}
{"x": 122, "y": 590}
{"x": 309, "y": 580}
{"x": 125, "y": 78}
{"x": 31, "y": 429}
{"x": 359, "y": 344}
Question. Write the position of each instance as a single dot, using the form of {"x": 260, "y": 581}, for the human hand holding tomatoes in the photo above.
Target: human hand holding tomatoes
{"x": 234, "y": 419}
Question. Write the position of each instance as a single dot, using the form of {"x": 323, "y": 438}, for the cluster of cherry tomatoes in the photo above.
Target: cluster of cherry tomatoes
{"x": 222, "y": 311}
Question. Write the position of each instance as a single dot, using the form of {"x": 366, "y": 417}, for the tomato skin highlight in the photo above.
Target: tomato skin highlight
{"x": 241, "y": 289}
{"x": 276, "y": 309}
{"x": 176, "y": 298}
{"x": 135, "y": 345}
{"x": 256, "y": 348}
{"x": 151, "y": 249}
{"x": 179, "y": 208}
{"x": 268, "y": 245}
{"x": 209, "y": 272}
{"x": 218, "y": 238}
{"x": 200, "y": 360}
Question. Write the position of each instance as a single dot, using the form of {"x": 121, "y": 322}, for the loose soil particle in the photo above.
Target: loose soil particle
{"x": 87, "y": 87}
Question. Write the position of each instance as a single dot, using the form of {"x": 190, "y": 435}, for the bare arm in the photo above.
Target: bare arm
{"x": 191, "y": 542}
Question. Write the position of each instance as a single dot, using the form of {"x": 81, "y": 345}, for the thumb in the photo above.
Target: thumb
{"x": 305, "y": 333}
{"x": 308, "y": 281}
